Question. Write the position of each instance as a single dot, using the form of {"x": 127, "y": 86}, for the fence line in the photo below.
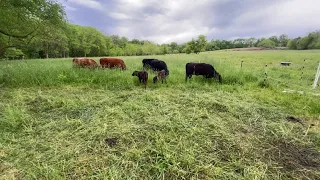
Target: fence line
{"x": 301, "y": 77}
{"x": 300, "y": 88}
{"x": 282, "y": 82}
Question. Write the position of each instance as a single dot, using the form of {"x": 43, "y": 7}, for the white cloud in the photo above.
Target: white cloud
{"x": 180, "y": 20}
{"x": 119, "y": 16}
{"x": 70, "y": 8}
{"x": 160, "y": 21}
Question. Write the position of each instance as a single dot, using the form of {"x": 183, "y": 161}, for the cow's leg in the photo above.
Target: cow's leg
{"x": 188, "y": 76}
{"x": 145, "y": 83}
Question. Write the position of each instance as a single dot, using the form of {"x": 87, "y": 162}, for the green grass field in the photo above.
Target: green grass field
{"x": 54, "y": 119}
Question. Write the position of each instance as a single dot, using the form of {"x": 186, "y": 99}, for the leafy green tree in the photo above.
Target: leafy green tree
{"x": 192, "y": 47}
{"x": 53, "y": 41}
{"x": 12, "y": 53}
{"x": 136, "y": 41}
{"x": 314, "y": 40}
{"x": 149, "y": 48}
{"x": 196, "y": 46}
{"x": 116, "y": 51}
{"x": 187, "y": 49}
{"x": 292, "y": 43}
{"x": 211, "y": 46}
{"x": 131, "y": 49}
{"x": 181, "y": 47}
{"x": 267, "y": 43}
{"x": 85, "y": 41}
{"x": 27, "y": 19}
{"x": 22, "y": 18}
{"x": 251, "y": 42}
{"x": 123, "y": 42}
{"x": 201, "y": 43}
{"x": 283, "y": 40}
{"x": 108, "y": 45}
{"x": 223, "y": 44}
{"x": 173, "y": 46}
{"x": 303, "y": 43}
{"x": 240, "y": 43}
{"x": 257, "y": 42}
{"x": 164, "y": 49}
{"x": 275, "y": 40}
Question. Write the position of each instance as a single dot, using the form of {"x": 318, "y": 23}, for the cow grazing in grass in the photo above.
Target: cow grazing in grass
{"x": 112, "y": 63}
{"x": 161, "y": 76}
{"x": 206, "y": 70}
{"x": 143, "y": 77}
{"x": 155, "y": 65}
{"x": 84, "y": 63}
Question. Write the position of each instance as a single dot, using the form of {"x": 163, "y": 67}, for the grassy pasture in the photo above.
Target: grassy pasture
{"x": 54, "y": 120}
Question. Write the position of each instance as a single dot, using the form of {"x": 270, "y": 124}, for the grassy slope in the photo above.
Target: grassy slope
{"x": 54, "y": 120}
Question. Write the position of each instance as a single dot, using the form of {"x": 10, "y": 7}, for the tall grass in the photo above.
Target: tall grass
{"x": 30, "y": 73}
{"x": 55, "y": 119}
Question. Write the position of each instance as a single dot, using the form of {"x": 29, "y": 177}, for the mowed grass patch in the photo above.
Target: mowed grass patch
{"x": 104, "y": 124}
{"x": 170, "y": 134}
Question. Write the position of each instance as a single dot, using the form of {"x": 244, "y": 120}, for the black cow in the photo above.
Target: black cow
{"x": 206, "y": 70}
{"x": 143, "y": 77}
{"x": 155, "y": 65}
{"x": 146, "y": 63}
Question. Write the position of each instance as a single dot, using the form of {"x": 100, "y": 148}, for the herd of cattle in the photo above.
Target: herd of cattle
{"x": 159, "y": 66}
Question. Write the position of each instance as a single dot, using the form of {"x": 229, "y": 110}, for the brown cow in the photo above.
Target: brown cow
{"x": 162, "y": 75}
{"x": 84, "y": 62}
{"x": 112, "y": 63}
{"x": 143, "y": 77}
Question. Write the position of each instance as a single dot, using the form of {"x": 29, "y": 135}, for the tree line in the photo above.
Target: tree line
{"x": 39, "y": 29}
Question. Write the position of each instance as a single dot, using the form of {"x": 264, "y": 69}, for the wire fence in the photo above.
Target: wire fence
{"x": 290, "y": 83}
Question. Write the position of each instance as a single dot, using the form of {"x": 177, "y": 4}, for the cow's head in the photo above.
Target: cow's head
{"x": 155, "y": 79}
{"x": 135, "y": 73}
{"x": 167, "y": 73}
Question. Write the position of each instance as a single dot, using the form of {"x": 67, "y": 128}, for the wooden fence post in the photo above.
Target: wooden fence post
{"x": 316, "y": 79}
{"x": 304, "y": 62}
{"x": 265, "y": 74}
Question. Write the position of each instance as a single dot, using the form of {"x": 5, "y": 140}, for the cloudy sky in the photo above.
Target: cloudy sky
{"x": 165, "y": 21}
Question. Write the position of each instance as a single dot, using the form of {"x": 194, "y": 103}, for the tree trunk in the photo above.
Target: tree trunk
{"x": 1, "y": 51}
{"x": 47, "y": 51}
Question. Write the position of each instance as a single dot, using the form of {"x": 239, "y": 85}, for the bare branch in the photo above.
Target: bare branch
{"x": 17, "y": 36}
